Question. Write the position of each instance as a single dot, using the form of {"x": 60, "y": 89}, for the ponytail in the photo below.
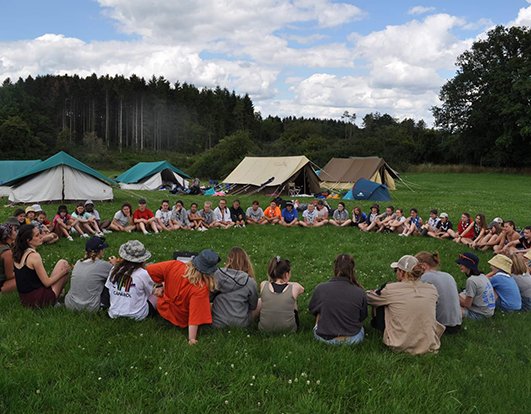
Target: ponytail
{"x": 277, "y": 268}
{"x": 431, "y": 259}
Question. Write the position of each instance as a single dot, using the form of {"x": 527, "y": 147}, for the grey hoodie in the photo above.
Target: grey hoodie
{"x": 235, "y": 297}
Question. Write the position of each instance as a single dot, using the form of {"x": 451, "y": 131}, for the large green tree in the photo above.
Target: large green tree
{"x": 488, "y": 102}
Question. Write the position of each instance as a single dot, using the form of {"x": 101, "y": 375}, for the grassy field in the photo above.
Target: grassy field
{"x": 56, "y": 361}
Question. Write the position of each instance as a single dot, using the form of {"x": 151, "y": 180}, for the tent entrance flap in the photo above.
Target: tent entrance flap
{"x": 168, "y": 177}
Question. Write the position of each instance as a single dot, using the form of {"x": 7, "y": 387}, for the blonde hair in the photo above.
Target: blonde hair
{"x": 238, "y": 259}
{"x": 415, "y": 274}
{"x": 195, "y": 277}
{"x": 519, "y": 266}
{"x": 433, "y": 260}
{"x": 207, "y": 204}
{"x": 92, "y": 255}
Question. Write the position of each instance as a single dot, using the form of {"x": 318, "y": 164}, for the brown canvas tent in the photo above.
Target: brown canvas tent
{"x": 342, "y": 173}
{"x": 276, "y": 175}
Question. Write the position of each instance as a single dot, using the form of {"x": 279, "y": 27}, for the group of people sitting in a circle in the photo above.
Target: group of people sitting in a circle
{"x": 413, "y": 312}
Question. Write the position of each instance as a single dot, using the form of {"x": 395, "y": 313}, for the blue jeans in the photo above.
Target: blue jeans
{"x": 470, "y": 314}
{"x": 526, "y": 303}
{"x": 345, "y": 340}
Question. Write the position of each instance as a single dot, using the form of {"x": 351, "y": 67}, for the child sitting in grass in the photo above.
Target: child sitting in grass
{"x": 278, "y": 299}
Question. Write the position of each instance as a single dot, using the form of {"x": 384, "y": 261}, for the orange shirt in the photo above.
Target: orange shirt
{"x": 182, "y": 303}
{"x": 272, "y": 213}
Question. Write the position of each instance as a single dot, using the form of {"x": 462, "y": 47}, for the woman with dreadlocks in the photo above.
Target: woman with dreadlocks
{"x": 129, "y": 283}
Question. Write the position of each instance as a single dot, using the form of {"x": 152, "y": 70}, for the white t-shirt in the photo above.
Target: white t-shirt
{"x": 131, "y": 301}
{"x": 164, "y": 216}
{"x": 222, "y": 217}
{"x": 121, "y": 218}
{"x": 310, "y": 217}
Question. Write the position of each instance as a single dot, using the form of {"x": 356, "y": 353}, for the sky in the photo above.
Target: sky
{"x": 312, "y": 58}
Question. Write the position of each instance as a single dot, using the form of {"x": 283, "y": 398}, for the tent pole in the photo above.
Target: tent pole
{"x": 63, "y": 183}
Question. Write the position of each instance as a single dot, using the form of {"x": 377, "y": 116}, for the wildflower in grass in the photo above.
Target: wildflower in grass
{"x": 308, "y": 382}
{"x": 226, "y": 402}
{"x": 289, "y": 381}
{"x": 232, "y": 365}
{"x": 318, "y": 382}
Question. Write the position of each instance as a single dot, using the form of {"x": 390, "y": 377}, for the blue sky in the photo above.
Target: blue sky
{"x": 299, "y": 57}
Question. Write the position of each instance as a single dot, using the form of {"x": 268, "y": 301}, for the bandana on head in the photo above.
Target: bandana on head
{"x": 5, "y": 232}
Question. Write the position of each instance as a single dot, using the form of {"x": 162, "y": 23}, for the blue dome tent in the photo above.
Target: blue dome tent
{"x": 368, "y": 190}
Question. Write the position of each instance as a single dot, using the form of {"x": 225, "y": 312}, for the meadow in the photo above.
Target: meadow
{"x": 53, "y": 360}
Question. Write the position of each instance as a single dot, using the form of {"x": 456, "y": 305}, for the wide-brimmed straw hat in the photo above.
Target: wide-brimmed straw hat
{"x": 502, "y": 262}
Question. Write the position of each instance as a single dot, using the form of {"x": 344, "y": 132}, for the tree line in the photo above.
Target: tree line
{"x": 484, "y": 119}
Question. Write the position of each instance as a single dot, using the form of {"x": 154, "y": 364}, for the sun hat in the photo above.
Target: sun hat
{"x": 443, "y": 215}
{"x": 469, "y": 260}
{"x": 89, "y": 202}
{"x": 528, "y": 255}
{"x": 37, "y": 208}
{"x": 206, "y": 261}
{"x": 502, "y": 262}
{"x": 95, "y": 244}
{"x": 406, "y": 263}
{"x": 29, "y": 209}
{"x": 134, "y": 251}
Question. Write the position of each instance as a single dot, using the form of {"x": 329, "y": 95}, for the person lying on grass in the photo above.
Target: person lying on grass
{"x": 290, "y": 216}
{"x": 340, "y": 217}
{"x": 87, "y": 283}
{"x": 35, "y": 288}
{"x": 129, "y": 284}
{"x": 184, "y": 299}
{"x": 521, "y": 276}
{"x": 410, "y": 310}
{"x": 144, "y": 219}
{"x": 8, "y": 234}
{"x": 477, "y": 301}
{"x": 339, "y": 306}
{"x": 448, "y": 310}
{"x": 123, "y": 219}
{"x": 235, "y": 297}
{"x": 278, "y": 299}
{"x": 506, "y": 290}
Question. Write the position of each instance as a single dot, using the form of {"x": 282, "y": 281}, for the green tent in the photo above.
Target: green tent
{"x": 12, "y": 168}
{"x": 152, "y": 176}
{"x": 60, "y": 177}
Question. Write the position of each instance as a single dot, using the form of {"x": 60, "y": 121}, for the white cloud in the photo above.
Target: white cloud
{"x": 523, "y": 18}
{"x": 420, "y": 10}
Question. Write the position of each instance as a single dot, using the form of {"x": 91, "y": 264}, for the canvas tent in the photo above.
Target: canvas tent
{"x": 277, "y": 175}
{"x": 151, "y": 176}
{"x": 60, "y": 177}
{"x": 368, "y": 190}
{"x": 342, "y": 173}
{"x": 10, "y": 169}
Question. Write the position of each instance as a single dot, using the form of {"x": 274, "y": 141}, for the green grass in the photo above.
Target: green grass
{"x": 56, "y": 361}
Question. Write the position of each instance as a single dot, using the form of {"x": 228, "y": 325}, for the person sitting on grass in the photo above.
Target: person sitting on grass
{"x": 222, "y": 215}
{"x": 339, "y": 306}
{"x": 48, "y": 236}
{"x": 431, "y": 224}
{"x": 123, "y": 219}
{"x": 103, "y": 225}
{"x": 322, "y": 212}
{"x": 509, "y": 234}
{"x": 179, "y": 217}
{"x": 185, "y": 298}
{"x": 86, "y": 224}
{"x": 490, "y": 238}
{"x": 278, "y": 299}
{"x": 309, "y": 217}
{"x": 63, "y": 223}
{"x": 196, "y": 220}
{"x": 477, "y": 301}
{"x": 358, "y": 217}
{"x": 20, "y": 215}
{"x": 480, "y": 229}
{"x": 236, "y": 295}
{"x": 87, "y": 283}
{"x": 410, "y": 310}
{"x": 448, "y": 310}
{"x": 522, "y": 245}
{"x": 340, "y": 217}
{"x": 465, "y": 229}
{"x": 506, "y": 290}
{"x": 521, "y": 276}
{"x": 30, "y": 214}
{"x": 237, "y": 214}
{"x": 397, "y": 225}
{"x": 144, "y": 219}
{"x": 35, "y": 288}
{"x": 163, "y": 217}
{"x": 272, "y": 213}
{"x": 208, "y": 216}
{"x": 443, "y": 228}
{"x": 130, "y": 286}
{"x": 255, "y": 214}
{"x": 8, "y": 234}
{"x": 413, "y": 224}
{"x": 382, "y": 220}
{"x": 290, "y": 216}
{"x": 371, "y": 223}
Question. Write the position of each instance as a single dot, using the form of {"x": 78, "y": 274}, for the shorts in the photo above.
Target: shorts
{"x": 475, "y": 316}
{"x": 38, "y": 298}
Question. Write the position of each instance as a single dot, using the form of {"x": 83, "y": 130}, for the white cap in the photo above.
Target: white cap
{"x": 406, "y": 263}
{"x": 36, "y": 207}
{"x": 498, "y": 220}
{"x": 443, "y": 215}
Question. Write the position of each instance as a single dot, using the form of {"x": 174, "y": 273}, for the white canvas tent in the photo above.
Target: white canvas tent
{"x": 59, "y": 178}
{"x": 274, "y": 174}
